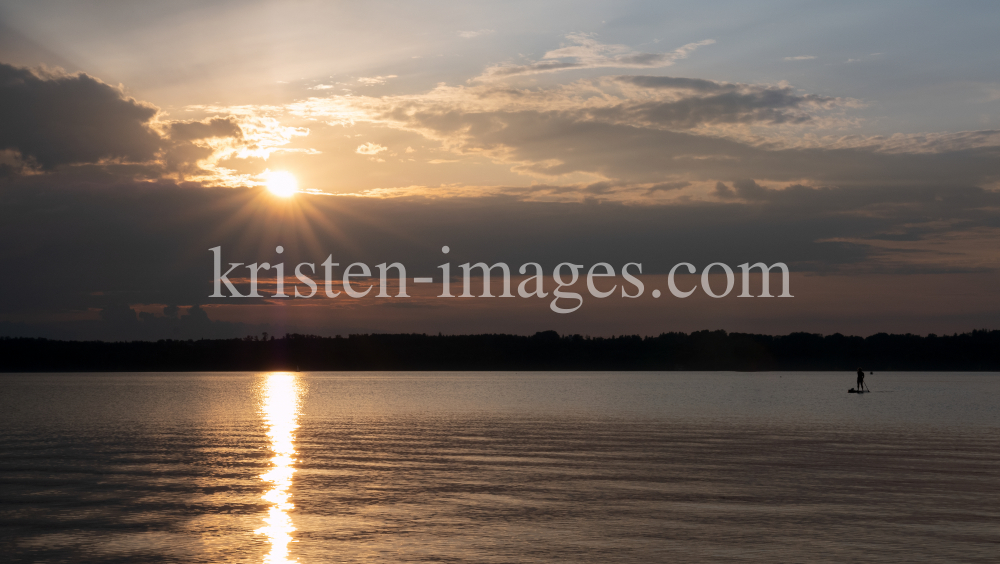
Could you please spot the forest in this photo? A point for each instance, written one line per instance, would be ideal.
(547, 350)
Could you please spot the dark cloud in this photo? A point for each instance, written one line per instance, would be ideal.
(95, 242)
(666, 187)
(54, 119)
(723, 191)
(564, 142)
(756, 107)
(213, 127)
(51, 119)
(182, 152)
(678, 83)
(644, 129)
(147, 243)
(9, 169)
(599, 187)
(748, 189)
(73, 246)
(707, 102)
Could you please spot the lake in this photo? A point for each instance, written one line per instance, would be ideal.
(499, 467)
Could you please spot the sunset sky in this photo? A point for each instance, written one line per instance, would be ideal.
(857, 142)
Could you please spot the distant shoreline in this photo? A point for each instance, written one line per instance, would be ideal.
(702, 350)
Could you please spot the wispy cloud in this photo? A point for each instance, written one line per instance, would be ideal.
(472, 34)
(585, 52)
(655, 102)
(660, 131)
(371, 80)
(801, 58)
(370, 149)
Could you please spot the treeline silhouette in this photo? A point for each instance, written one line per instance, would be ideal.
(547, 350)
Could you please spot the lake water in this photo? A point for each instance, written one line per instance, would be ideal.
(499, 467)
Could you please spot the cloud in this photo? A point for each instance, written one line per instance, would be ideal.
(193, 148)
(662, 168)
(647, 129)
(723, 192)
(473, 34)
(52, 118)
(212, 127)
(642, 101)
(372, 80)
(220, 150)
(557, 144)
(748, 189)
(146, 245)
(370, 149)
(599, 188)
(666, 187)
(689, 103)
(584, 52)
(801, 58)
(698, 85)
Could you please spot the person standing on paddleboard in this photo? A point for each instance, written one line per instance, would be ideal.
(861, 379)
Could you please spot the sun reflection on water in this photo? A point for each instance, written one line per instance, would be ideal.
(281, 411)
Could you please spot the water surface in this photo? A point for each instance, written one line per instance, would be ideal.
(499, 467)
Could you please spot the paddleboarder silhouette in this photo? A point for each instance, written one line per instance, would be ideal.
(861, 379)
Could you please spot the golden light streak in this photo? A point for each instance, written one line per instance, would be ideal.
(280, 411)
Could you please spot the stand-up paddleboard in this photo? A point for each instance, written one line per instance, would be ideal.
(853, 391)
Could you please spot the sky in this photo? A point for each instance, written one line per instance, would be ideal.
(855, 142)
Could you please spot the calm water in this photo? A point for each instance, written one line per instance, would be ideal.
(499, 467)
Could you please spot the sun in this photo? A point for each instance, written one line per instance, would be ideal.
(282, 184)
